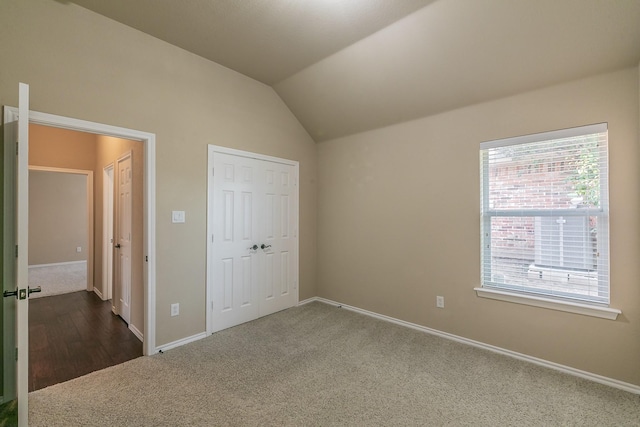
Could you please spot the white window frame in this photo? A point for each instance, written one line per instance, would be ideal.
(539, 298)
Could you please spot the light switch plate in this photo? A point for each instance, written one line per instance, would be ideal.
(177, 217)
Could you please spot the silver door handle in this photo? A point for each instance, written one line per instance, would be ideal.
(38, 289)
(263, 246)
(10, 293)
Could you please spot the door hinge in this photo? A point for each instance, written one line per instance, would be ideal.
(213, 172)
(16, 251)
(211, 305)
(212, 239)
(17, 147)
(146, 258)
(16, 354)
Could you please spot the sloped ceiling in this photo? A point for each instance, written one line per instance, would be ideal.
(268, 40)
(347, 66)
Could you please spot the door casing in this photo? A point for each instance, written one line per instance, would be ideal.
(149, 202)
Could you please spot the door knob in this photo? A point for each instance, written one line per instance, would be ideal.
(31, 291)
(118, 246)
(263, 246)
(253, 248)
(10, 293)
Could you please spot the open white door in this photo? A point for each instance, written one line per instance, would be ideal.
(107, 229)
(124, 213)
(15, 256)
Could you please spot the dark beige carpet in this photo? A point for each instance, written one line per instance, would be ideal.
(319, 365)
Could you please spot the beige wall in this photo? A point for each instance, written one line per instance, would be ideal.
(61, 148)
(108, 151)
(92, 68)
(399, 223)
(57, 217)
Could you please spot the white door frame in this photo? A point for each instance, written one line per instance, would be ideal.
(107, 231)
(211, 149)
(149, 202)
(89, 249)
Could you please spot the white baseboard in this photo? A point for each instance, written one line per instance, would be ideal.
(312, 299)
(97, 292)
(180, 342)
(632, 388)
(55, 264)
(136, 332)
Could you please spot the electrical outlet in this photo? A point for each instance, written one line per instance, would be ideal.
(175, 309)
(440, 302)
(79, 249)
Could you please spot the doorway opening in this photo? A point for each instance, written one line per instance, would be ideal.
(74, 320)
(60, 230)
(148, 165)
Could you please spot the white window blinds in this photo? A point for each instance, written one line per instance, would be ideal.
(545, 222)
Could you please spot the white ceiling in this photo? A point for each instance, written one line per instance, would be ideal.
(346, 66)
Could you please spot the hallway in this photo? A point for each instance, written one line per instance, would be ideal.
(73, 334)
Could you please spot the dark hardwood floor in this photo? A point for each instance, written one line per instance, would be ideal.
(73, 334)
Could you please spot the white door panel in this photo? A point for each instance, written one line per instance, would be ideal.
(278, 264)
(15, 271)
(123, 237)
(235, 272)
(252, 204)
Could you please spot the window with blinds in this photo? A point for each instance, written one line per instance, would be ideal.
(545, 214)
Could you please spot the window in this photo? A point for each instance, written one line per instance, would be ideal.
(545, 219)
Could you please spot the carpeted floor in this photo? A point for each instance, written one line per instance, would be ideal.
(58, 279)
(318, 365)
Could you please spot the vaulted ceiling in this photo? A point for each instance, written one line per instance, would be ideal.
(347, 66)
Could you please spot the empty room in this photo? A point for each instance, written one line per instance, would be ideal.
(347, 212)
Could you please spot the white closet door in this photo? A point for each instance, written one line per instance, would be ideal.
(235, 227)
(278, 258)
(253, 250)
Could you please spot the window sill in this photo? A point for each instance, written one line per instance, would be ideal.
(570, 307)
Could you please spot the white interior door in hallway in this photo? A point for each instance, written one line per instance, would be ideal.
(123, 236)
(253, 236)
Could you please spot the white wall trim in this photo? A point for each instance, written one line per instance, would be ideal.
(552, 304)
(55, 264)
(136, 332)
(97, 292)
(251, 155)
(632, 388)
(182, 341)
(149, 197)
(312, 299)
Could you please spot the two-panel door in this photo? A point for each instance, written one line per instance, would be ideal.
(253, 246)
